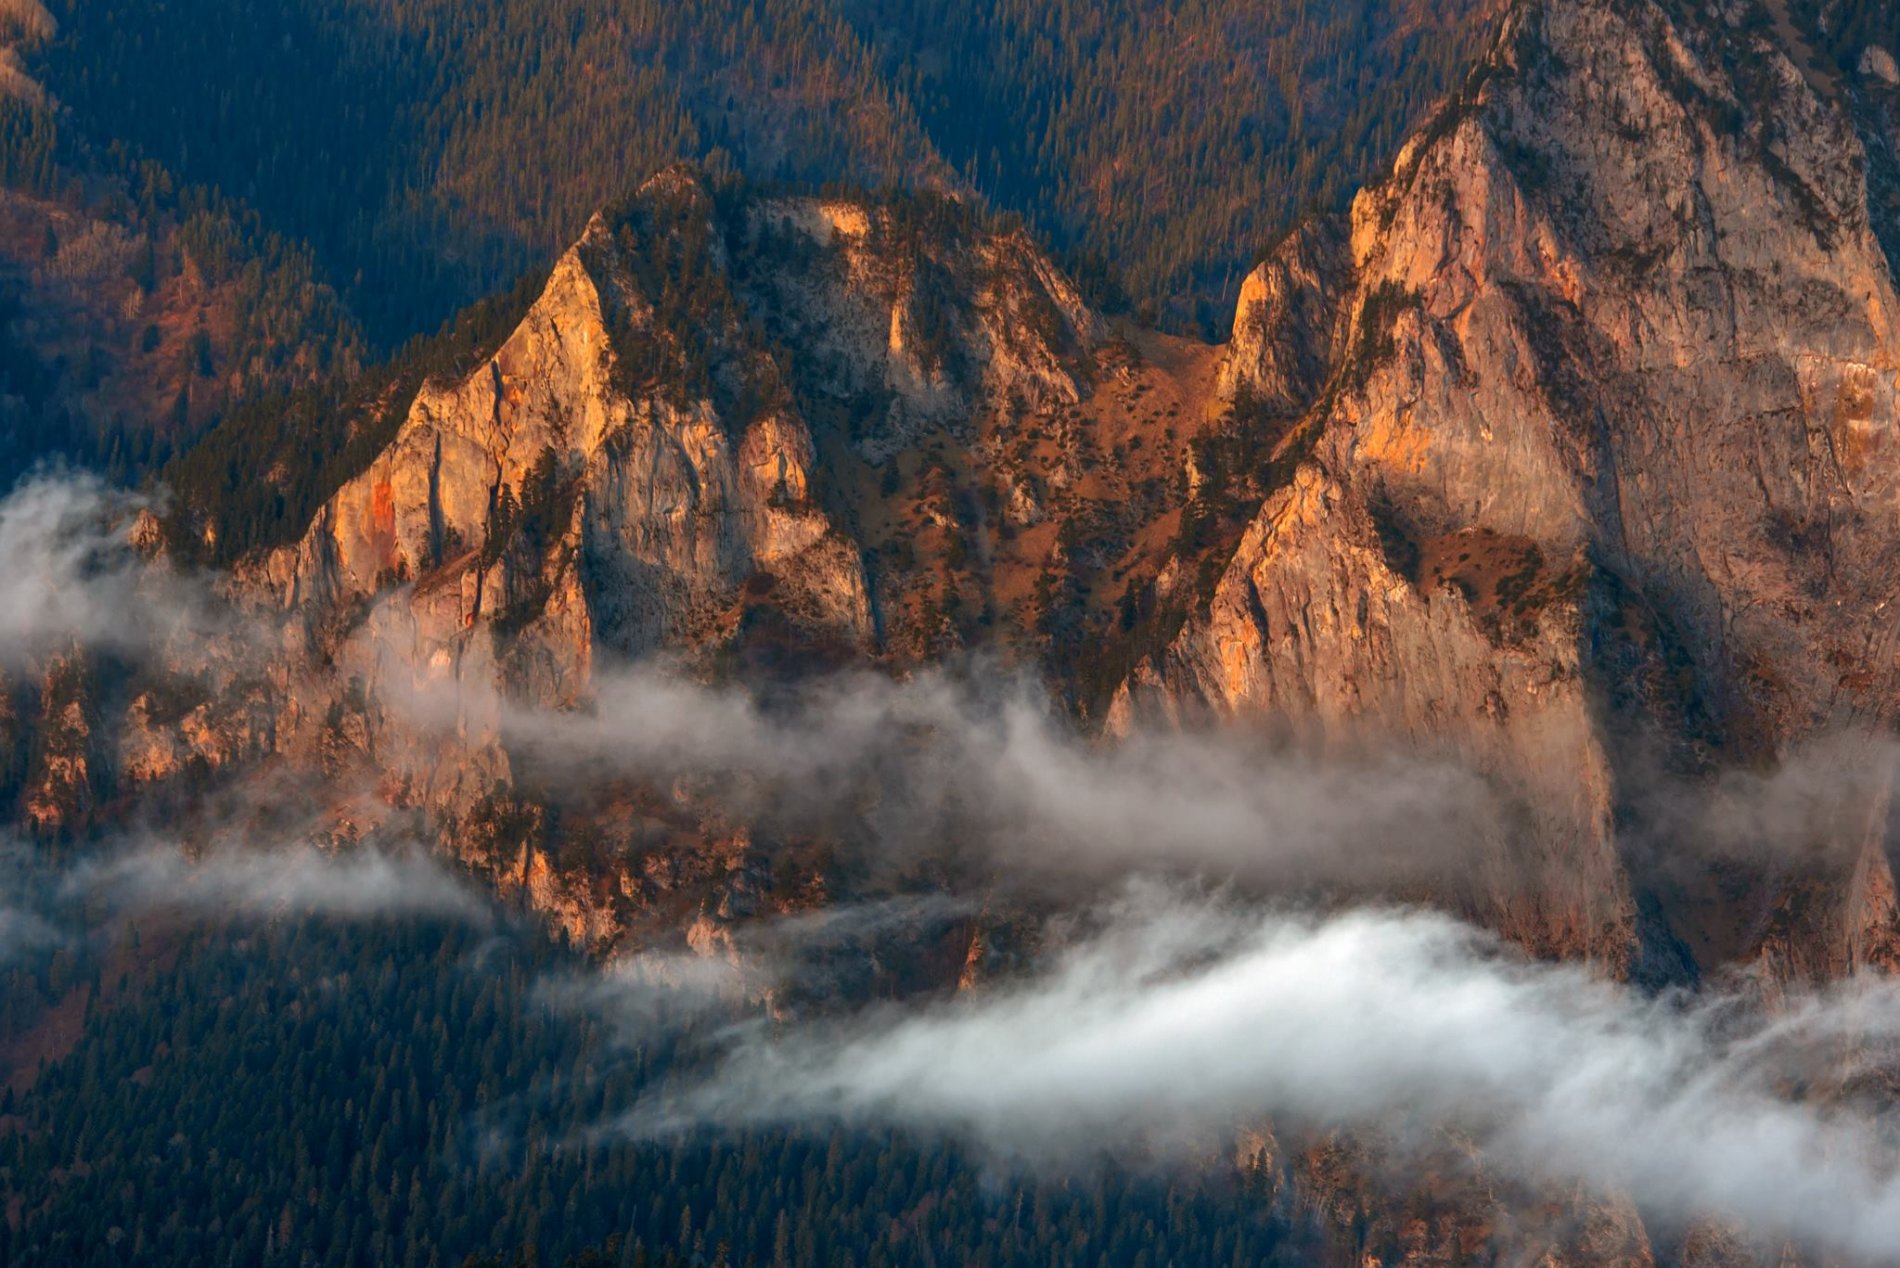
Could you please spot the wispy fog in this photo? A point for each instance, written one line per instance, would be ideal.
(985, 767)
(665, 989)
(270, 881)
(22, 931)
(69, 575)
(1179, 1019)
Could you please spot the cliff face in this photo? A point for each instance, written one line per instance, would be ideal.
(643, 446)
(1605, 450)
(683, 449)
(553, 497)
(1567, 455)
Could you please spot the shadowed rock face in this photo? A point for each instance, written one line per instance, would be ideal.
(1606, 451)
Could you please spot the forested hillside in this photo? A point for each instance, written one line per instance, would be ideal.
(431, 150)
(1172, 137)
(318, 1095)
(137, 309)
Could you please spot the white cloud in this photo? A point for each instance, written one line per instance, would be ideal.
(70, 576)
(264, 882)
(987, 769)
(1180, 1020)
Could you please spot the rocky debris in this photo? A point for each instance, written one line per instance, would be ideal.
(1877, 63)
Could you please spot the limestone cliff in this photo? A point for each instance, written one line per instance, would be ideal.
(1605, 448)
(553, 497)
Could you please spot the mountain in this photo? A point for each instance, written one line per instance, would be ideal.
(860, 398)
(1596, 475)
(1545, 498)
(771, 435)
(1579, 493)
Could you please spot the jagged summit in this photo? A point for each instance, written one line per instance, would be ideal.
(642, 445)
(1602, 451)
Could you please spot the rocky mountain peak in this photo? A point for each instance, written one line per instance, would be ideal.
(1566, 456)
(1603, 449)
(641, 448)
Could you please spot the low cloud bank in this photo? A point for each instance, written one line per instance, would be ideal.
(1179, 1020)
(1175, 1019)
(69, 574)
(987, 770)
(24, 924)
(980, 766)
(1819, 802)
(22, 931)
(297, 880)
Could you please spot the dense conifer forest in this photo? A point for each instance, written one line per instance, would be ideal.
(430, 150)
(314, 1094)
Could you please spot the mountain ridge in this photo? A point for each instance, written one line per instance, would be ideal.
(1538, 643)
(1563, 463)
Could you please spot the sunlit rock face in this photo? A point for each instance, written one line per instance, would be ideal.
(644, 512)
(635, 472)
(1603, 465)
(632, 456)
(1584, 473)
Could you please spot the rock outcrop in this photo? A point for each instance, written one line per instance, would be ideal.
(1286, 323)
(1605, 451)
(551, 498)
(639, 450)
(658, 460)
